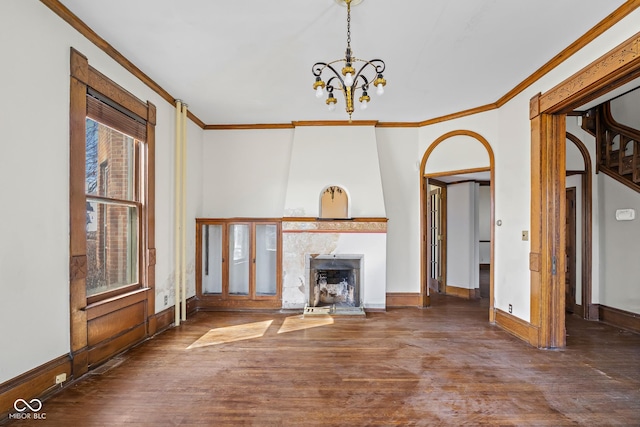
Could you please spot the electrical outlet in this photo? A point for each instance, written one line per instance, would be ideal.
(525, 235)
(60, 378)
(510, 309)
(166, 299)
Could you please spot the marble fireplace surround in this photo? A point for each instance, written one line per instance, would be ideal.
(306, 237)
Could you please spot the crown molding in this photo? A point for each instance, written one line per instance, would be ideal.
(608, 22)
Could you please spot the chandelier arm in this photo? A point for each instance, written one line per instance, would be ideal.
(318, 71)
(378, 64)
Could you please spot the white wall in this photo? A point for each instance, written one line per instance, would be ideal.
(620, 247)
(624, 109)
(34, 169)
(484, 223)
(462, 242)
(400, 170)
(245, 172)
(346, 156)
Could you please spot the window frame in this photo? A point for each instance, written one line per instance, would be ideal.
(101, 328)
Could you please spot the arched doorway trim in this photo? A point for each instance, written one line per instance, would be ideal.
(424, 294)
(586, 243)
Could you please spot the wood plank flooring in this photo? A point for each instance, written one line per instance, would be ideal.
(445, 365)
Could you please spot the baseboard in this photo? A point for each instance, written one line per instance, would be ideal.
(462, 292)
(36, 383)
(403, 299)
(619, 318)
(165, 319)
(517, 327)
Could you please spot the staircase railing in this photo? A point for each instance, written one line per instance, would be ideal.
(618, 146)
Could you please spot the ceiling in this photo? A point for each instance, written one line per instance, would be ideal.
(249, 62)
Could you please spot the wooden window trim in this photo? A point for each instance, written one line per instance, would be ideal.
(84, 78)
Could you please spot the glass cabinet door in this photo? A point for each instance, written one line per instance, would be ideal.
(212, 259)
(266, 259)
(239, 263)
(239, 258)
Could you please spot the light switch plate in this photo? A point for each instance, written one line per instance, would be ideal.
(525, 235)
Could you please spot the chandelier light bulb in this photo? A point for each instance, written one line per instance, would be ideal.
(380, 90)
(319, 92)
(348, 80)
(331, 106)
(363, 105)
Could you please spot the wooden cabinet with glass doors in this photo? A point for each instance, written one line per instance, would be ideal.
(238, 263)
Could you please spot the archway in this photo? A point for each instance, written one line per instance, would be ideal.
(596, 81)
(460, 167)
(586, 218)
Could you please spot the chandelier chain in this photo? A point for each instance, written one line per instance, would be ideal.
(349, 24)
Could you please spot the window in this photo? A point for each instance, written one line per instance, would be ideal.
(112, 236)
(111, 217)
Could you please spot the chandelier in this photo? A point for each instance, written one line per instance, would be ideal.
(348, 80)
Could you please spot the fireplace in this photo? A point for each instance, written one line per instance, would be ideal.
(335, 282)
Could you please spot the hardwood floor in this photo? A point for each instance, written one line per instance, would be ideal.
(439, 366)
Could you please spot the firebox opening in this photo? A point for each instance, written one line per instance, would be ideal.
(335, 281)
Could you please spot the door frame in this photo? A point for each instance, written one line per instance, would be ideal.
(589, 310)
(548, 143)
(571, 193)
(442, 247)
(424, 265)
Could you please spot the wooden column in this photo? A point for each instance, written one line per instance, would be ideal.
(547, 257)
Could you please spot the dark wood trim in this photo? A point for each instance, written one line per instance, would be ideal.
(515, 326)
(248, 126)
(617, 67)
(613, 69)
(457, 172)
(112, 347)
(224, 300)
(462, 292)
(423, 214)
(616, 176)
(76, 23)
(64, 13)
(403, 299)
(336, 123)
(619, 318)
(548, 137)
(36, 383)
(593, 311)
(613, 18)
(79, 69)
(164, 319)
(587, 233)
(312, 219)
(104, 307)
(96, 325)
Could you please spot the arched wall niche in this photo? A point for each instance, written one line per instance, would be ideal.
(335, 202)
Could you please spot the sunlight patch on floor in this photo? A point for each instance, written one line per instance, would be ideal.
(232, 333)
(297, 323)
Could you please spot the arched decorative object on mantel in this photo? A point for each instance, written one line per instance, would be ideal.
(334, 202)
(424, 174)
